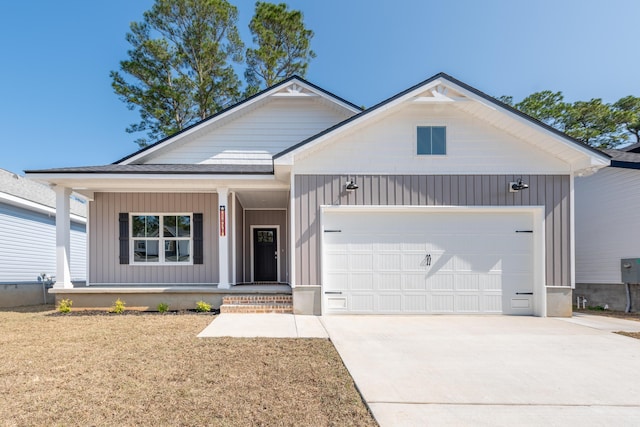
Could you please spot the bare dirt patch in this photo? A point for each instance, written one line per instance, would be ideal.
(152, 370)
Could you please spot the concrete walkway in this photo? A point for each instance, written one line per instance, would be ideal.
(265, 325)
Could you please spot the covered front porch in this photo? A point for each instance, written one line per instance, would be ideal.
(175, 238)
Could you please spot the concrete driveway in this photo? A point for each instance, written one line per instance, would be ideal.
(492, 370)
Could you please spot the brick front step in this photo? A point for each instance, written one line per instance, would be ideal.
(257, 308)
(257, 299)
(257, 304)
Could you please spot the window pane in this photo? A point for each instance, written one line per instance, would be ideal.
(184, 226)
(170, 226)
(138, 225)
(153, 226)
(424, 140)
(176, 251)
(438, 140)
(145, 251)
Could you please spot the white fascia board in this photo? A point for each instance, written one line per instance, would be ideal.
(598, 159)
(288, 159)
(84, 177)
(36, 207)
(321, 94)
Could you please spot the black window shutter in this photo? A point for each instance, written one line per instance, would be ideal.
(198, 257)
(124, 238)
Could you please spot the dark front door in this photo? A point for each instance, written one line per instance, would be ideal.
(265, 255)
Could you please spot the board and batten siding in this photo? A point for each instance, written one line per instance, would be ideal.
(105, 267)
(239, 243)
(28, 246)
(257, 135)
(551, 191)
(267, 217)
(607, 205)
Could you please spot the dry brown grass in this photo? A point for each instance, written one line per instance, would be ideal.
(152, 370)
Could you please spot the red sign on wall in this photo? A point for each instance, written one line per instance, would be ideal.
(223, 221)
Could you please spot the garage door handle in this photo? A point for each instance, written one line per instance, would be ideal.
(524, 293)
(333, 231)
(333, 293)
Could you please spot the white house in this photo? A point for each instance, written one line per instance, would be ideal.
(608, 230)
(28, 240)
(438, 200)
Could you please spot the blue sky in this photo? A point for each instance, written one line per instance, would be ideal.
(57, 107)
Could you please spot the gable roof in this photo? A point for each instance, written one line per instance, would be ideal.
(236, 107)
(492, 103)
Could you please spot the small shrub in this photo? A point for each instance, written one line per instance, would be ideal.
(64, 306)
(163, 307)
(118, 306)
(596, 308)
(203, 307)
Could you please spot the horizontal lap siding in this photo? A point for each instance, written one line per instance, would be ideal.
(104, 238)
(551, 191)
(29, 246)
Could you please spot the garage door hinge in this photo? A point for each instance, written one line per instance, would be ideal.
(333, 231)
(524, 231)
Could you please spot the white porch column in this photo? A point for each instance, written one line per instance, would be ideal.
(223, 238)
(63, 238)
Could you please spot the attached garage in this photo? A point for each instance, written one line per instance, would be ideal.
(432, 260)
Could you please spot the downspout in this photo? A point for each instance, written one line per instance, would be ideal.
(628, 290)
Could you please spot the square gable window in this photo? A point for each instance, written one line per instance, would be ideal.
(432, 140)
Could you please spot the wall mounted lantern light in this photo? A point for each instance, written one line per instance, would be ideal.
(518, 185)
(351, 185)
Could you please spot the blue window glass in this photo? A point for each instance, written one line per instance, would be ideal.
(432, 140)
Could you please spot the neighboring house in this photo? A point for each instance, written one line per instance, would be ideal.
(607, 230)
(28, 240)
(438, 200)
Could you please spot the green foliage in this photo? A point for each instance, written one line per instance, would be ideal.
(118, 306)
(627, 114)
(163, 307)
(283, 45)
(203, 307)
(593, 122)
(179, 69)
(64, 306)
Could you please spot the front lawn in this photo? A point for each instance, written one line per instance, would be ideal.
(152, 370)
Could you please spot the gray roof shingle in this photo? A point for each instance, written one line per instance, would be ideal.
(18, 186)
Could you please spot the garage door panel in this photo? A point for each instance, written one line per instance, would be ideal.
(415, 303)
(388, 261)
(428, 262)
(442, 303)
(414, 281)
(361, 282)
(441, 282)
(391, 303)
(362, 303)
(389, 281)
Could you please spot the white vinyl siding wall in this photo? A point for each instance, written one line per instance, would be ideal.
(389, 146)
(607, 206)
(28, 246)
(256, 136)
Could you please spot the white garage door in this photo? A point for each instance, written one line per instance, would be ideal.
(426, 262)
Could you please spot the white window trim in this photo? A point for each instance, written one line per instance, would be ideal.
(161, 240)
(431, 125)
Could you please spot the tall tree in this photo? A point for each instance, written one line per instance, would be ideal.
(283, 45)
(180, 65)
(627, 113)
(593, 123)
(547, 106)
